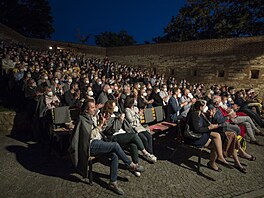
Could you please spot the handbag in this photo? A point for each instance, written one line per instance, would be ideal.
(189, 134)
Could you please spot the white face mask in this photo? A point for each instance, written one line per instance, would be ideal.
(205, 109)
(145, 94)
(57, 81)
(158, 90)
(109, 91)
(230, 99)
(70, 80)
(116, 109)
(50, 94)
(34, 84)
(99, 82)
(29, 75)
(190, 95)
(179, 95)
(90, 93)
(165, 89)
(87, 82)
(46, 77)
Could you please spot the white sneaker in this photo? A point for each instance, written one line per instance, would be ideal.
(150, 158)
(138, 174)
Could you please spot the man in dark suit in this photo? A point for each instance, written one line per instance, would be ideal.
(174, 107)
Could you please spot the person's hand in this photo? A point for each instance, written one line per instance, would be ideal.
(122, 117)
(184, 103)
(151, 101)
(102, 120)
(212, 126)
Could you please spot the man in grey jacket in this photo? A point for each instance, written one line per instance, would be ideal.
(88, 137)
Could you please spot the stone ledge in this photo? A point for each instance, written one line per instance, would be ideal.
(11, 121)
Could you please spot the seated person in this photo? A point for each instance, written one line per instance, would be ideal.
(132, 116)
(88, 135)
(51, 100)
(119, 130)
(72, 96)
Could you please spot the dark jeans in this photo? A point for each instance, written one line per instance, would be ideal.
(99, 147)
(146, 138)
(133, 141)
(253, 116)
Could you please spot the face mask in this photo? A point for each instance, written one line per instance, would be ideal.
(212, 92)
(34, 84)
(90, 93)
(145, 94)
(190, 95)
(230, 99)
(70, 80)
(135, 103)
(179, 95)
(50, 94)
(205, 109)
(158, 90)
(99, 82)
(87, 82)
(116, 109)
(165, 89)
(46, 77)
(109, 91)
(139, 86)
(56, 81)
(29, 75)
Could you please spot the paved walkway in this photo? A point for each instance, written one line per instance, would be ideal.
(27, 170)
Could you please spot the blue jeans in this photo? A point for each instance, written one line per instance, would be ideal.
(99, 147)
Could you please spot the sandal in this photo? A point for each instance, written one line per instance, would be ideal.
(241, 169)
(217, 170)
(227, 165)
(252, 158)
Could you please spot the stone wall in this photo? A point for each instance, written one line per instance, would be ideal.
(12, 122)
(238, 62)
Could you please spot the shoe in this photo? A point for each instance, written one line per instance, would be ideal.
(217, 170)
(241, 169)
(252, 158)
(136, 168)
(150, 158)
(138, 174)
(115, 188)
(256, 143)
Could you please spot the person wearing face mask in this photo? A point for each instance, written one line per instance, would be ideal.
(67, 85)
(44, 80)
(208, 137)
(105, 95)
(164, 95)
(158, 101)
(51, 100)
(221, 120)
(142, 100)
(174, 107)
(57, 88)
(189, 100)
(97, 88)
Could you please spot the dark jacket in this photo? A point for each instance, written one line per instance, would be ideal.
(80, 144)
(173, 109)
(196, 125)
(157, 99)
(218, 117)
(70, 99)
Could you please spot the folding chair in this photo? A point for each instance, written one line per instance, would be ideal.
(60, 117)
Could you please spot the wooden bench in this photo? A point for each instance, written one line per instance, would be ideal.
(155, 119)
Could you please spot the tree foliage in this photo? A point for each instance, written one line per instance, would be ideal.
(201, 19)
(29, 17)
(112, 39)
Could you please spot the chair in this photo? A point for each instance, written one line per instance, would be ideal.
(60, 116)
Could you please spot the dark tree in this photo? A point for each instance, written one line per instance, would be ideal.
(201, 19)
(111, 39)
(29, 17)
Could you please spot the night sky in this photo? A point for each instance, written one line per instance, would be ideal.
(142, 19)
